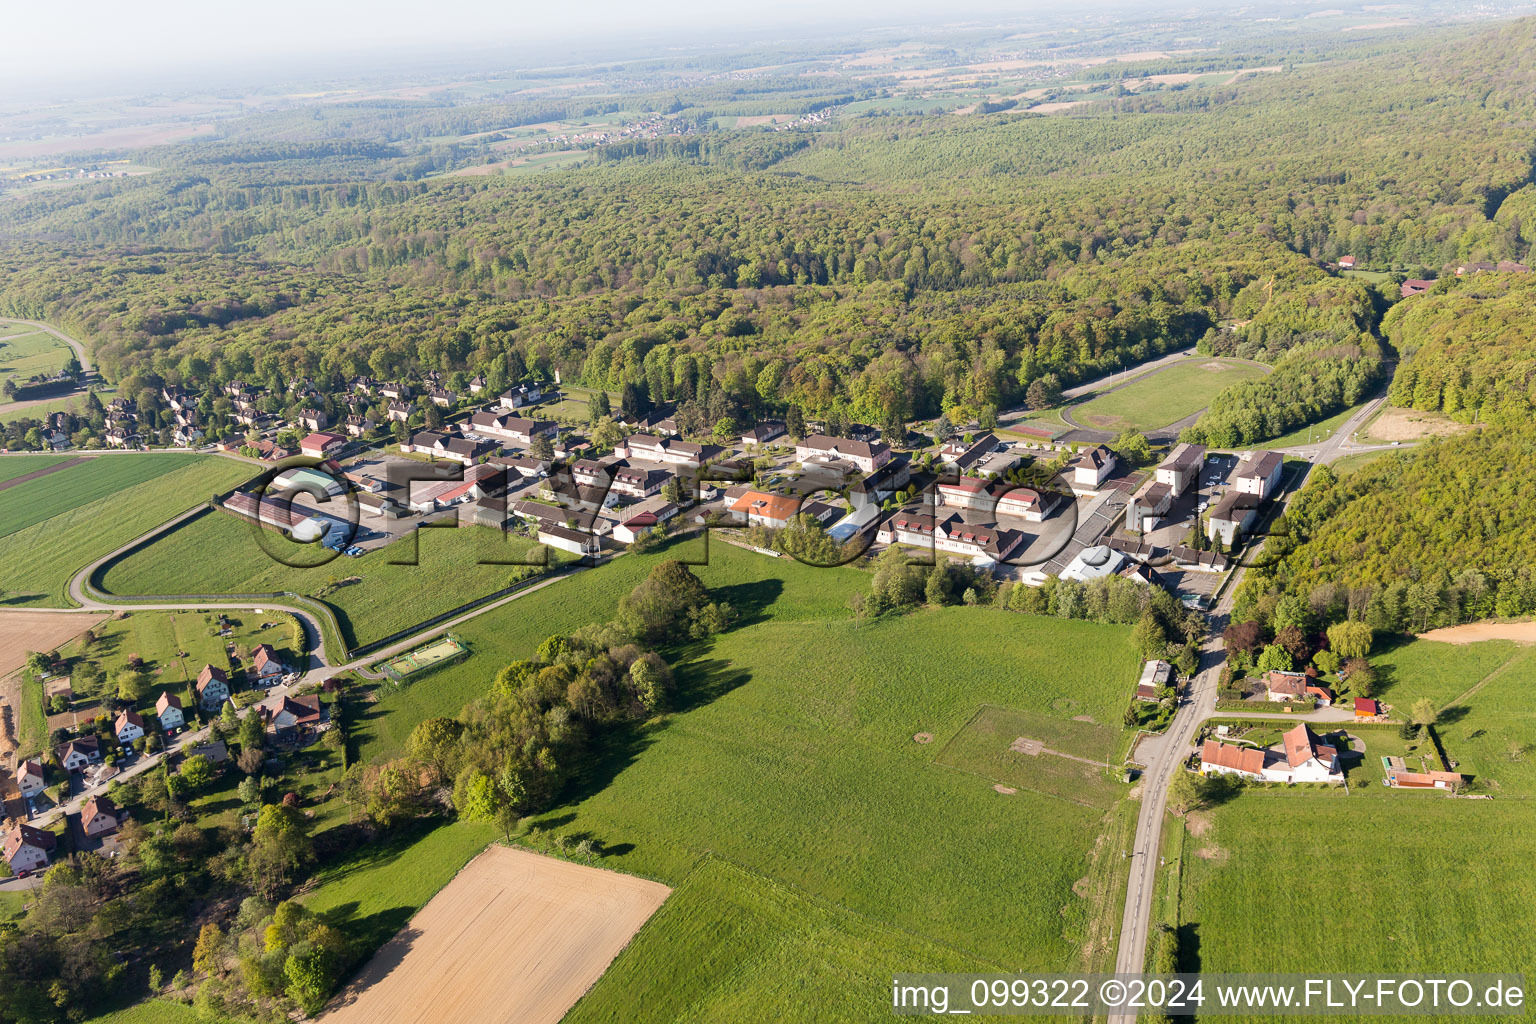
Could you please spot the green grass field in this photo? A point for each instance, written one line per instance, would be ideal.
(1314, 433)
(1426, 668)
(37, 500)
(154, 1011)
(756, 946)
(798, 736)
(983, 748)
(13, 466)
(1166, 396)
(1282, 882)
(1492, 733)
(374, 892)
(36, 562)
(218, 553)
(27, 351)
(65, 403)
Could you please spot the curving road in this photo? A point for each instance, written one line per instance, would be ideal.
(86, 367)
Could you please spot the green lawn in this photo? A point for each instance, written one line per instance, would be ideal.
(756, 947)
(514, 630)
(41, 499)
(1376, 885)
(27, 351)
(74, 402)
(153, 1011)
(375, 891)
(1350, 463)
(1492, 734)
(1166, 396)
(37, 562)
(174, 646)
(219, 554)
(1314, 433)
(1409, 671)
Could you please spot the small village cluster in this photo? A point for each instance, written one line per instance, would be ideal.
(94, 748)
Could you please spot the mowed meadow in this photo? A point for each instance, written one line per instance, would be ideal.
(58, 524)
(1429, 882)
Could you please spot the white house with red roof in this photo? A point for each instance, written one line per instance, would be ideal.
(26, 848)
(168, 710)
(128, 727)
(29, 779)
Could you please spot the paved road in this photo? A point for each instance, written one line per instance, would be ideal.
(1194, 709)
(81, 354)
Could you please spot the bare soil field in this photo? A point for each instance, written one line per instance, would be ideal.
(5, 484)
(23, 631)
(1396, 424)
(515, 938)
(1472, 632)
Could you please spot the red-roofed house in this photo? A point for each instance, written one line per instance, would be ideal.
(99, 817)
(212, 687)
(128, 727)
(29, 779)
(1366, 708)
(168, 710)
(1227, 759)
(268, 667)
(26, 848)
(321, 444)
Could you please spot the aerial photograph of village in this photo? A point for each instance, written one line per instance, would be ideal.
(627, 514)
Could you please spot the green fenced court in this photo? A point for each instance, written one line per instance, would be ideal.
(435, 655)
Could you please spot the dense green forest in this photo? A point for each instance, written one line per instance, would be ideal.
(1410, 541)
(880, 266)
(1468, 348)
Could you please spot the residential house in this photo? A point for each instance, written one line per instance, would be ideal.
(212, 688)
(321, 444)
(443, 399)
(29, 779)
(314, 419)
(357, 425)
(667, 450)
(294, 718)
(128, 726)
(79, 753)
(1151, 502)
(399, 412)
(1156, 676)
(27, 848)
(99, 817)
(168, 710)
(1027, 503)
(520, 395)
(477, 384)
(1285, 687)
(1232, 516)
(398, 392)
(1346, 263)
(867, 456)
(269, 667)
(641, 517)
(639, 481)
(1259, 474)
(1306, 759)
(1091, 468)
(1414, 286)
(1228, 759)
(980, 541)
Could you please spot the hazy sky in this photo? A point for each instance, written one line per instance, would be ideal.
(88, 38)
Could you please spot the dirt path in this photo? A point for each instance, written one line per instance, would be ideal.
(42, 472)
(1476, 632)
